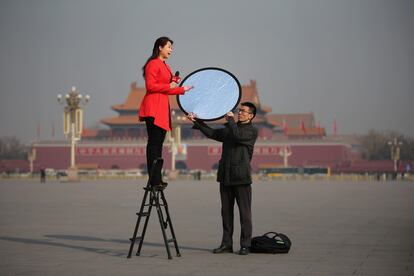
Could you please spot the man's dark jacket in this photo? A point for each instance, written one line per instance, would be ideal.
(238, 142)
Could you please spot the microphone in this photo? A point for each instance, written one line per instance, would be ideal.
(176, 77)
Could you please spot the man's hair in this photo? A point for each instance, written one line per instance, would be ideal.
(251, 107)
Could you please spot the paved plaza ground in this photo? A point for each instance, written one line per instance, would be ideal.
(337, 228)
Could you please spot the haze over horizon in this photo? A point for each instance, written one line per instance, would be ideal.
(352, 60)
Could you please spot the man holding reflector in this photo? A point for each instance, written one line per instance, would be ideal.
(234, 172)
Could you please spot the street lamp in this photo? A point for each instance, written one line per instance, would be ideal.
(72, 123)
(395, 153)
(174, 137)
(285, 152)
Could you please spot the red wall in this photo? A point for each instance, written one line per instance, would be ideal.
(203, 156)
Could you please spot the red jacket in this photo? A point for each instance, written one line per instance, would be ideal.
(155, 103)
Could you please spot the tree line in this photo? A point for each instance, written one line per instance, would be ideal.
(12, 148)
(374, 145)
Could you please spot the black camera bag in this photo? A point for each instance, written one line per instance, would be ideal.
(271, 242)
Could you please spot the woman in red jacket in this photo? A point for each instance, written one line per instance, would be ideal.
(155, 107)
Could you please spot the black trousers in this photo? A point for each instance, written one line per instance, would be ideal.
(156, 137)
(242, 194)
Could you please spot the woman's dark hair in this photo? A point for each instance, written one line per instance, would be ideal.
(160, 42)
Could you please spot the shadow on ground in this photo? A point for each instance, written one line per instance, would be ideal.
(109, 252)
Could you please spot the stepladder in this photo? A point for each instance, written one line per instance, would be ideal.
(154, 196)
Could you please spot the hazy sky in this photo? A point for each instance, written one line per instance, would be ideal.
(353, 59)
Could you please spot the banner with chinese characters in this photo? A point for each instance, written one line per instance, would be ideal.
(110, 151)
(258, 150)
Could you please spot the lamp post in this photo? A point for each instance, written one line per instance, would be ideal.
(395, 153)
(174, 137)
(285, 152)
(31, 157)
(170, 138)
(72, 124)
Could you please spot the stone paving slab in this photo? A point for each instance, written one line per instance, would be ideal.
(337, 228)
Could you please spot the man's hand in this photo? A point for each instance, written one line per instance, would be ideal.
(173, 85)
(191, 116)
(229, 115)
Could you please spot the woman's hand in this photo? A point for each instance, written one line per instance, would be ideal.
(187, 88)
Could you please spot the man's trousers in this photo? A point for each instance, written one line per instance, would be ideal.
(242, 194)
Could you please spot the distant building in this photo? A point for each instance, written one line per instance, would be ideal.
(126, 125)
(122, 144)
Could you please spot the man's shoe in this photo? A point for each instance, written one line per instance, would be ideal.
(165, 184)
(223, 249)
(244, 251)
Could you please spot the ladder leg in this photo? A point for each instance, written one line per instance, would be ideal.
(131, 247)
(134, 236)
(169, 221)
(161, 219)
(144, 229)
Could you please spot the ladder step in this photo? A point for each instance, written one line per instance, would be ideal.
(144, 214)
(136, 239)
(170, 240)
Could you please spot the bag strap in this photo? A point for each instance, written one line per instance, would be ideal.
(274, 235)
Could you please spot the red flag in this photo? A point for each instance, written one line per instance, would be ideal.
(38, 132)
(53, 131)
(302, 125)
(284, 126)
